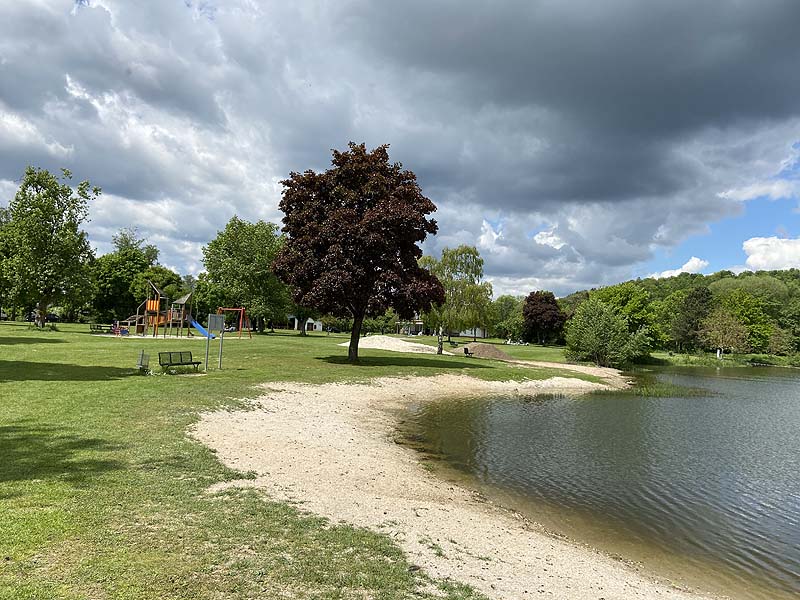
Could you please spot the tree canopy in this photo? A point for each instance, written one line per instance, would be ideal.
(467, 299)
(114, 274)
(239, 263)
(48, 253)
(352, 235)
(599, 334)
(543, 316)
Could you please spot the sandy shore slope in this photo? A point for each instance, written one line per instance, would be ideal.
(331, 448)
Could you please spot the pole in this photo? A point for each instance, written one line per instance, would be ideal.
(208, 342)
(221, 336)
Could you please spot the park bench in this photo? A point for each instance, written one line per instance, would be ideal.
(453, 344)
(177, 359)
(467, 352)
(97, 328)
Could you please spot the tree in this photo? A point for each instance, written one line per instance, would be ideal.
(769, 291)
(50, 253)
(723, 331)
(239, 261)
(114, 274)
(506, 317)
(352, 239)
(5, 254)
(466, 297)
(166, 280)
(382, 323)
(749, 311)
(688, 319)
(479, 307)
(790, 319)
(664, 313)
(598, 334)
(127, 240)
(630, 300)
(569, 304)
(543, 316)
(780, 342)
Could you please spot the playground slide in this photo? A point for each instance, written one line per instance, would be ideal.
(201, 329)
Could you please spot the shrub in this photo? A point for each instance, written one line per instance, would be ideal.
(597, 334)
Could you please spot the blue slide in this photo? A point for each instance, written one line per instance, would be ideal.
(201, 329)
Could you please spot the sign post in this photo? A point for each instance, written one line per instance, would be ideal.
(215, 323)
(208, 341)
(221, 337)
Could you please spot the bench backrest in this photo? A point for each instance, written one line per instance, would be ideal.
(174, 358)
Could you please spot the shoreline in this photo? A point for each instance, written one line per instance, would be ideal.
(331, 448)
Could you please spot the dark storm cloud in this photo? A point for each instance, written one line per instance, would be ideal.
(616, 83)
(567, 140)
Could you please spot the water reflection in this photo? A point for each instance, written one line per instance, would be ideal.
(707, 485)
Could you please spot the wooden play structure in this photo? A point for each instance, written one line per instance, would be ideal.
(244, 322)
(157, 314)
(180, 314)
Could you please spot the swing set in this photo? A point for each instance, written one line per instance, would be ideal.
(243, 320)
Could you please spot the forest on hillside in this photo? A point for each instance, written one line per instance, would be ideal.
(752, 312)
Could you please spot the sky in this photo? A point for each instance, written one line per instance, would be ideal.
(576, 143)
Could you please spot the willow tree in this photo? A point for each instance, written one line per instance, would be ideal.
(352, 235)
(467, 299)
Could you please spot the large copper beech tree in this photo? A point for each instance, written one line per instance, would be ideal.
(352, 236)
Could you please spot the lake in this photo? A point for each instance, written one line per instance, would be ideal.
(702, 488)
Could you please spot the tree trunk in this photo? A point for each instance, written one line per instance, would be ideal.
(42, 314)
(355, 335)
(439, 345)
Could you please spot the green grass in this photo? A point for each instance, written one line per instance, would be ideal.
(709, 359)
(530, 352)
(102, 494)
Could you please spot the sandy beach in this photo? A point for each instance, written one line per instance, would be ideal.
(331, 448)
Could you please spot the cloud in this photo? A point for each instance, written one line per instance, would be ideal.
(772, 253)
(569, 140)
(774, 190)
(693, 265)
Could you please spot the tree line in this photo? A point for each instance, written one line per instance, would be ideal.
(348, 248)
(348, 253)
(752, 312)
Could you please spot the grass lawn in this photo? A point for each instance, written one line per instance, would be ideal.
(709, 359)
(531, 352)
(102, 494)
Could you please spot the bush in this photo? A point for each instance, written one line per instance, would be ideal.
(597, 334)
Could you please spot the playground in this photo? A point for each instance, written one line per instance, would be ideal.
(159, 317)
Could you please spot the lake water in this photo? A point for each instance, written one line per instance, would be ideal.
(703, 489)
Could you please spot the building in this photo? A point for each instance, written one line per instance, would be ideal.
(311, 324)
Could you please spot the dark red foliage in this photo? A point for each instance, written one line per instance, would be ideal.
(543, 317)
(352, 237)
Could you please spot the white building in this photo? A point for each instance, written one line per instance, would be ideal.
(311, 324)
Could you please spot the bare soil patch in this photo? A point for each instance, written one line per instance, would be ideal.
(481, 350)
